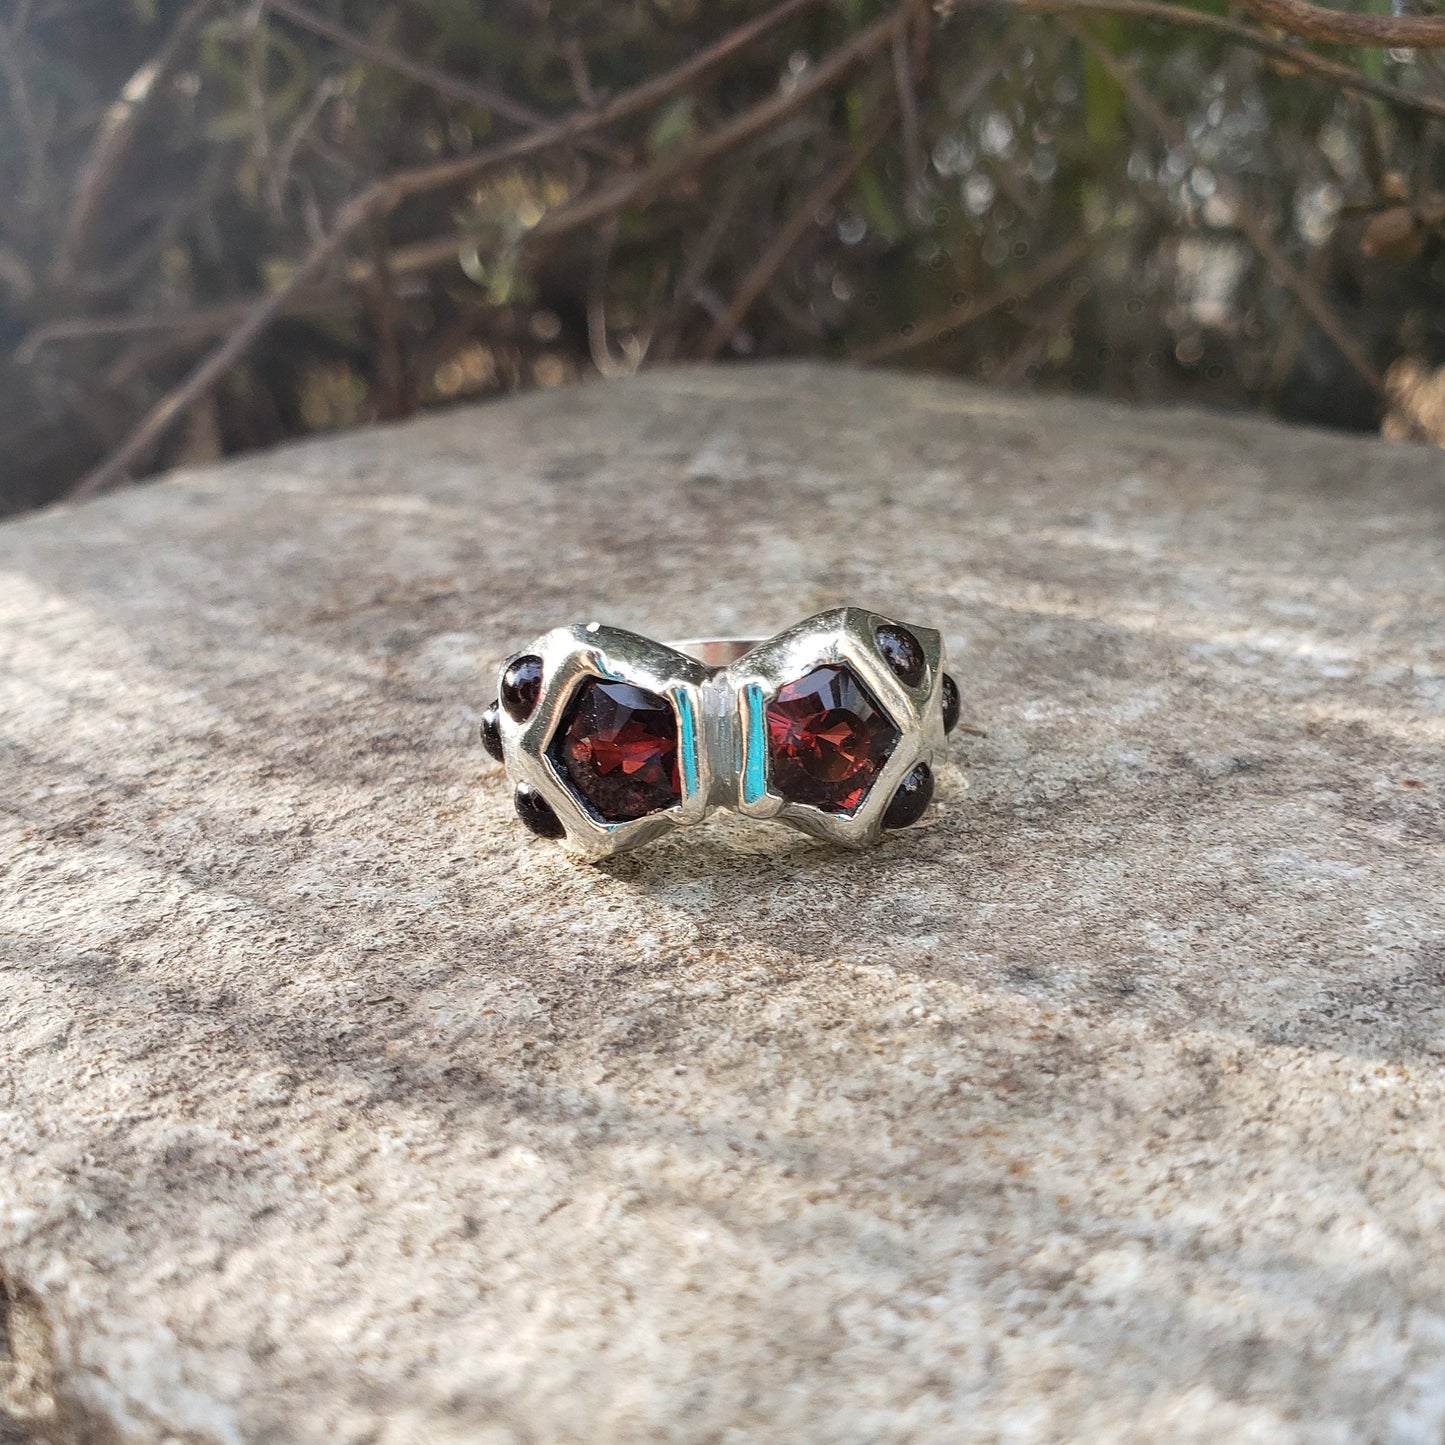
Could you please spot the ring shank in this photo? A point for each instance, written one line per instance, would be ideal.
(717, 651)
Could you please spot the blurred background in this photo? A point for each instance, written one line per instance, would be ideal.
(232, 222)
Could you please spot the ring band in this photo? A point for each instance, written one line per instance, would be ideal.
(611, 739)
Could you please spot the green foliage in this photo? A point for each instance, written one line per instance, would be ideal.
(1025, 142)
(1103, 100)
(878, 210)
(232, 56)
(674, 128)
(1373, 60)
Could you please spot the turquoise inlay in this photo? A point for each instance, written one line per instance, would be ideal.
(755, 784)
(687, 742)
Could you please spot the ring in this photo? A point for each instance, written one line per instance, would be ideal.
(611, 739)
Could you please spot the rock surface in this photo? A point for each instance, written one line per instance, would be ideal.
(1107, 1105)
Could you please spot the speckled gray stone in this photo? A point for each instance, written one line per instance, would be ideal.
(1109, 1105)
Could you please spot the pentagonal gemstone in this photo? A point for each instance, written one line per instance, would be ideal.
(617, 748)
(827, 739)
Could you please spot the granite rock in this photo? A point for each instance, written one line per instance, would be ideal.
(1106, 1105)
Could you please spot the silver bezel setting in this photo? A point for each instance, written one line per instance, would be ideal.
(569, 656)
(723, 752)
(846, 636)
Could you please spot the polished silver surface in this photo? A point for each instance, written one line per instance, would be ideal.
(717, 651)
(720, 689)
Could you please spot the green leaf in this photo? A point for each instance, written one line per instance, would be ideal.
(673, 129)
(1372, 62)
(876, 208)
(1103, 100)
(1372, 58)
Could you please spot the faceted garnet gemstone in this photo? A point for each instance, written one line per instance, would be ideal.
(903, 652)
(617, 747)
(492, 732)
(522, 687)
(827, 739)
(914, 794)
(950, 703)
(536, 812)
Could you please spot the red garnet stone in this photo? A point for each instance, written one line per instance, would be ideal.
(827, 738)
(617, 748)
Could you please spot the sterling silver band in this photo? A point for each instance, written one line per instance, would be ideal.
(833, 726)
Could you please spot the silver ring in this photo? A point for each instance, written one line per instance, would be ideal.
(611, 739)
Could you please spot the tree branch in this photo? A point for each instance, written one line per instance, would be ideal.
(728, 136)
(1340, 27)
(113, 139)
(452, 87)
(1307, 294)
(385, 195)
(802, 220)
(1301, 18)
(1014, 289)
(1286, 52)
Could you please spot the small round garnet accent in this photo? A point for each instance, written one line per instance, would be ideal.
(617, 748)
(492, 731)
(950, 703)
(903, 652)
(522, 687)
(536, 812)
(827, 739)
(914, 794)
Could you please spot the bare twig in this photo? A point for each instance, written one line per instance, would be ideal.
(802, 220)
(576, 58)
(398, 394)
(632, 348)
(1015, 289)
(1288, 53)
(1341, 27)
(452, 87)
(1305, 292)
(1035, 346)
(22, 108)
(199, 323)
(382, 197)
(258, 54)
(113, 139)
(685, 293)
(157, 422)
(741, 128)
(1301, 18)
(438, 175)
(327, 91)
(905, 84)
(1292, 337)
(299, 295)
